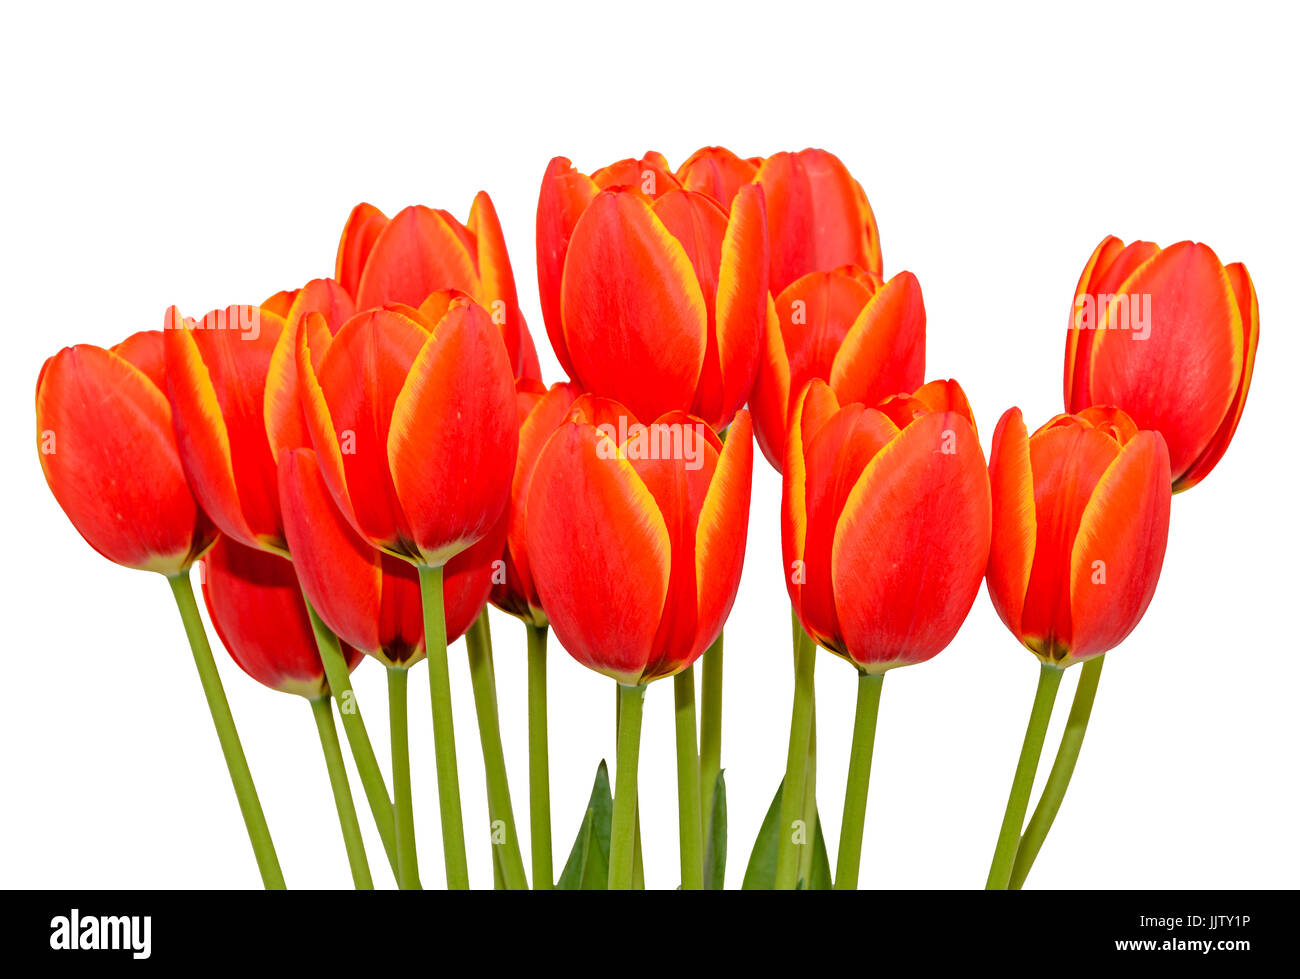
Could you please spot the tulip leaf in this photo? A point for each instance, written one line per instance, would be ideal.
(760, 874)
(715, 851)
(587, 868)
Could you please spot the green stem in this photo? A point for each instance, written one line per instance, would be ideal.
(1058, 780)
(329, 742)
(638, 868)
(710, 729)
(254, 819)
(539, 777)
(855, 789)
(354, 728)
(796, 767)
(408, 867)
(810, 815)
(479, 643)
(689, 826)
(444, 735)
(623, 822)
(1049, 680)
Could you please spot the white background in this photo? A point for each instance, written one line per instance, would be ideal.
(165, 156)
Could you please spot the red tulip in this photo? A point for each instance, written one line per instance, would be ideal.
(847, 327)
(371, 599)
(653, 295)
(423, 250)
(1080, 521)
(256, 606)
(540, 413)
(415, 427)
(885, 524)
(324, 296)
(104, 433)
(818, 217)
(636, 536)
(1169, 336)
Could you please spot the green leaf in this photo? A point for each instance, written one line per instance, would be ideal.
(715, 850)
(588, 865)
(821, 865)
(760, 873)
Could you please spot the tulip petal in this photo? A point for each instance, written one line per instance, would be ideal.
(362, 229)
(721, 532)
(716, 171)
(1015, 527)
(883, 352)
(564, 196)
(600, 552)
(324, 296)
(770, 399)
(497, 293)
(419, 251)
(813, 408)
(1120, 547)
(1078, 337)
(635, 320)
(912, 544)
(286, 426)
(454, 435)
(1248, 303)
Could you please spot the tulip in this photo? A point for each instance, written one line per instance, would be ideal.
(324, 296)
(653, 295)
(423, 250)
(256, 607)
(540, 412)
(106, 442)
(885, 532)
(865, 337)
(415, 427)
(1080, 522)
(372, 600)
(718, 172)
(1169, 335)
(818, 217)
(636, 536)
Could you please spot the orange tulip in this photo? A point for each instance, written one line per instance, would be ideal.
(718, 172)
(371, 600)
(423, 250)
(415, 426)
(104, 433)
(256, 606)
(636, 536)
(1169, 335)
(540, 413)
(324, 296)
(1080, 521)
(865, 337)
(653, 295)
(886, 522)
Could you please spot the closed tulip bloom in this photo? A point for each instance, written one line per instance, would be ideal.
(324, 296)
(654, 296)
(415, 426)
(1080, 521)
(886, 522)
(368, 598)
(1169, 335)
(104, 434)
(818, 217)
(718, 172)
(423, 250)
(256, 606)
(863, 336)
(541, 411)
(636, 536)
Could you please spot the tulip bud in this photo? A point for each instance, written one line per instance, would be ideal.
(540, 413)
(416, 429)
(256, 606)
(654, 295)
(1080, 522)
(865, 337)
(104, 434)
(1169, 335)
(423, 250)
(718, 172)
(886, 522)
(636, 536)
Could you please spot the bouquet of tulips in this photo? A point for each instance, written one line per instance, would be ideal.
(360, 466)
